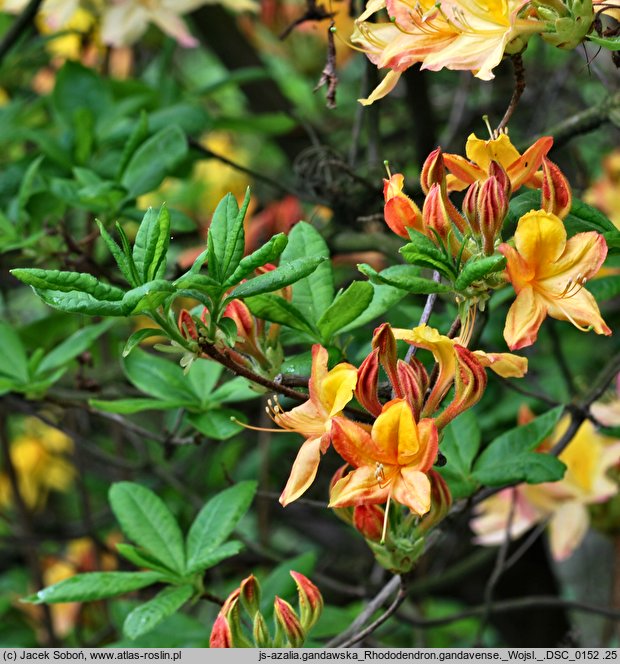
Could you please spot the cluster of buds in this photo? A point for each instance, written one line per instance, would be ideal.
(566, 22)
(291, 627)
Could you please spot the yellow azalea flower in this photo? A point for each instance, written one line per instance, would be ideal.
(564, 503)
(455, 34)
(38, 456)
(392, 461)
(330, 392)
(548, 273)
(521, 169)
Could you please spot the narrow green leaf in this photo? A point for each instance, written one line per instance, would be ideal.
(210, 558)
(584, 217)
(119, 256)
(141, 558)
(66, 282)
(130, 406)
(347, 306)
(13, 358)
(200, 282)
(147, 297)
(610, 43)
(315, 293)
(145, 519)
(147, 616)
(80, 87)
(226, 238)
(284, 275)
(268, 253)
(216, 423)
(477, 269)
(137, 136)
(138, 337)
(71, 347)
(93, 586)
(405, 277)
(76, 302)
(460, 444)
(26, 187)
(153, 160)
(509, 458)
(202, 378)
(278, 310)
(151, 243)
(217, 519)
(383, 299)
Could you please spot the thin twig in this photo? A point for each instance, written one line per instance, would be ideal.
(328, 75)
(558, 352)
(426, 314)
(519, 71)
(24, 21)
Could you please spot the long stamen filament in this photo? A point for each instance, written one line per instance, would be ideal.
(385, 518)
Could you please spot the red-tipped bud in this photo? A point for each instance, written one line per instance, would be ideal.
(411, 386)
(383, 340)
(492, 210)
(288, 622)
(367, 384)
(470, 208)
(400, 211)
(496, 170)
(246, 325)
(250, 595)
(187, 325)
(221, 636)
(433, 170)
(310, 600)
(556, 193)
(469, 384)
(441, 501)
(368, 520)
(439, 215)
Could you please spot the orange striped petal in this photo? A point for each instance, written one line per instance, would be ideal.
(304, 470)
(362, 487)
(412, 488)
(524, 319)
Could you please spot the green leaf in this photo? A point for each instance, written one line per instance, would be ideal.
(148, 297)
(199, 282)
(210, 558)
(140, 558)
(78, 87)
(477, 269)
(138, 337)
(315, 293)
(226, 238)
(26, 187)
(71, 347)
(610, 43)
(522, 204)
(76, 302)
(216, 423)
(158, 377)
(584, 217)
(278, 310)
(383, 299)
(93, 586)
(284, 275)
(130, 406)
(66, 282)
(605, 288)
(153, 160)
(422, 251)
(268, 253)
(13, 358)
(151, 244)
(202, 378)
(217, 519)
(124, 263)
(145, 519)
(508, 459)
(347, 306)
(137, 136)
(147, 616)
(460, 444)
(612, 238)
(404, 277)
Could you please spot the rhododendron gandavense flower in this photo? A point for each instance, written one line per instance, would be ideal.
(390, 462)
(548, 273)
(330, 392)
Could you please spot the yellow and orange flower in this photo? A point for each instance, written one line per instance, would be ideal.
(390, 462)
(548, 273)
(330, 392)
(564, 504)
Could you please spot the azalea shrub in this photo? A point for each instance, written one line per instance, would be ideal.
(299, 353)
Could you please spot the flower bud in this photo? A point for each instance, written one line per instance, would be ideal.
(412, 384)
(470, 208)
(433, 170)
(441, 501)
(492, 210)
(250, 595)
(260, 632)
(221, 636)
(310, 600)
(367, 384)
(187, 325)
(556, 192)
(469, 384)
(368, 520)
(400, 211)
(383, 340)
(288, 623)
(439, 215)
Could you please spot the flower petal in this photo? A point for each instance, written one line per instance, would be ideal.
(355, 444)
(385, 87)
(540, 239)
(567, 528)
(524, 319)
(505, 365)
(412, 488)
(395, 431)
(303, 471)
(361, 487)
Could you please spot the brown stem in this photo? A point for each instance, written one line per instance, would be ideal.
(519, 70)
(328, 75)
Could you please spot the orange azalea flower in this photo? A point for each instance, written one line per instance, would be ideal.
(548, 273)
(392, 461)
(400, 211)
(330, 392)
(521, 169)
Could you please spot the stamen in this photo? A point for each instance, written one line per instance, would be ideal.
(253, 428)
(485, 119)
(573, 286)
(385, 518)
(386, 163)
(573, 321)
